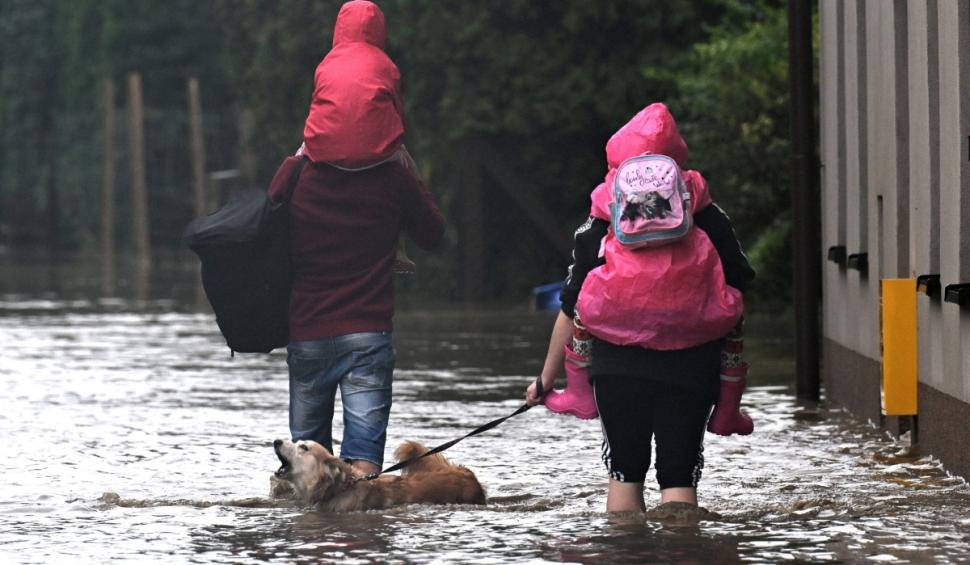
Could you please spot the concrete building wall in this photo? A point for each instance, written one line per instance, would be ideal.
(859, 289)
(924, 158)
(895, 149)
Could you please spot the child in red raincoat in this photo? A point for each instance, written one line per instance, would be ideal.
(658, 320)
(356, 118)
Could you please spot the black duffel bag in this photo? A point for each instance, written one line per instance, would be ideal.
(244, 248)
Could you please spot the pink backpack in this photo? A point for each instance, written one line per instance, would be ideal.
(671, 295)
(651, 203)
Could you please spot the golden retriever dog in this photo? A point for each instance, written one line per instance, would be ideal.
(330, 483)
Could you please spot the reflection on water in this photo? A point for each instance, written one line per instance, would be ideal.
(143, 400)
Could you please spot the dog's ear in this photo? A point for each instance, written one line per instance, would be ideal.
(331, 478)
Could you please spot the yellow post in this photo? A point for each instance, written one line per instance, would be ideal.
(899, 348)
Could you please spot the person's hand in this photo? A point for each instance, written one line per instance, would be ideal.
(532, 396)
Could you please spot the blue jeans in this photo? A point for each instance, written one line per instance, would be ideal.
(362, 365)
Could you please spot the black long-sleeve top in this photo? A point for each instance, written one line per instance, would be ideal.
(695, 368)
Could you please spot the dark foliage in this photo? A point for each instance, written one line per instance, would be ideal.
(540, 85)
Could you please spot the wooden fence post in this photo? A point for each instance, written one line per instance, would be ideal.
(472, 230)
(197, 147)
(247, 159)
(108, 189)
(138, 221)
(49, 129)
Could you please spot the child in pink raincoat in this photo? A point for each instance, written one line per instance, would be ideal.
(656, 320)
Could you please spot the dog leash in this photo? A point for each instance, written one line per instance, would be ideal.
(446, 445)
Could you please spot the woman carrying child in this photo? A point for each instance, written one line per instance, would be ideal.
(657, 314)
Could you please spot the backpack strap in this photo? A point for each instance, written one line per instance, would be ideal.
(285, 180)
(295, 179)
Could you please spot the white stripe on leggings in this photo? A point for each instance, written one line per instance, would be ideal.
(696, 473)
(605, 446)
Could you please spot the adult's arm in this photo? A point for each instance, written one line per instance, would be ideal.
(585, 257)
(717, 225)
(562, 333)
(421, 218)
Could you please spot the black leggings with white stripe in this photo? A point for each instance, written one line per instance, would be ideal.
(633, 411)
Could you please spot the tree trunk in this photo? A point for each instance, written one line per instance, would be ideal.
(139, 190)
(247, 159)
(108, 189)
(197, 147)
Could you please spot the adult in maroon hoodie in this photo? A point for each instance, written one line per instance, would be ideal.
(344, 228)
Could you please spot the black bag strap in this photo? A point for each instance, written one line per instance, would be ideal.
(295, 178)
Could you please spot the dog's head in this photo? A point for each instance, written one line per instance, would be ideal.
(315, 473)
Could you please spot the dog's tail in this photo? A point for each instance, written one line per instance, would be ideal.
(411, 449)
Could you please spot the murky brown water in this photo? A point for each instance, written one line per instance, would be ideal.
(140, 398)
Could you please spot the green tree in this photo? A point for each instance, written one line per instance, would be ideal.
(543, 84)
(540, 85)
(56, 56)
(733, 105)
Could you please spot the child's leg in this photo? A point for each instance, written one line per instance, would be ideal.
(624, 497)
(679, 494)
(402, 263)
(582, 343)
(577, 398)
(727, 418)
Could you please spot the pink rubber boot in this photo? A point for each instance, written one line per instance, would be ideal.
(727, 417)
(577, 399)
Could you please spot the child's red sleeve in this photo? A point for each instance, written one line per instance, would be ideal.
(601, 199)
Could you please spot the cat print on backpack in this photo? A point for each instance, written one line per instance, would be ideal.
(651, 203)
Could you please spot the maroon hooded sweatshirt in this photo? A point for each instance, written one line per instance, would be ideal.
(344, 225)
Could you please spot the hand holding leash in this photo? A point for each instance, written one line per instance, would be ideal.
(535, 393)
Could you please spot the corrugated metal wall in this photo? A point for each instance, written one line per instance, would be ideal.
(895, 121)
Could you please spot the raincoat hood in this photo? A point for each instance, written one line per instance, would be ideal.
(652, 130)
(356, 117)
(360, 21)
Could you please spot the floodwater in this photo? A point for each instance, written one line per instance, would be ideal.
(139, 398)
